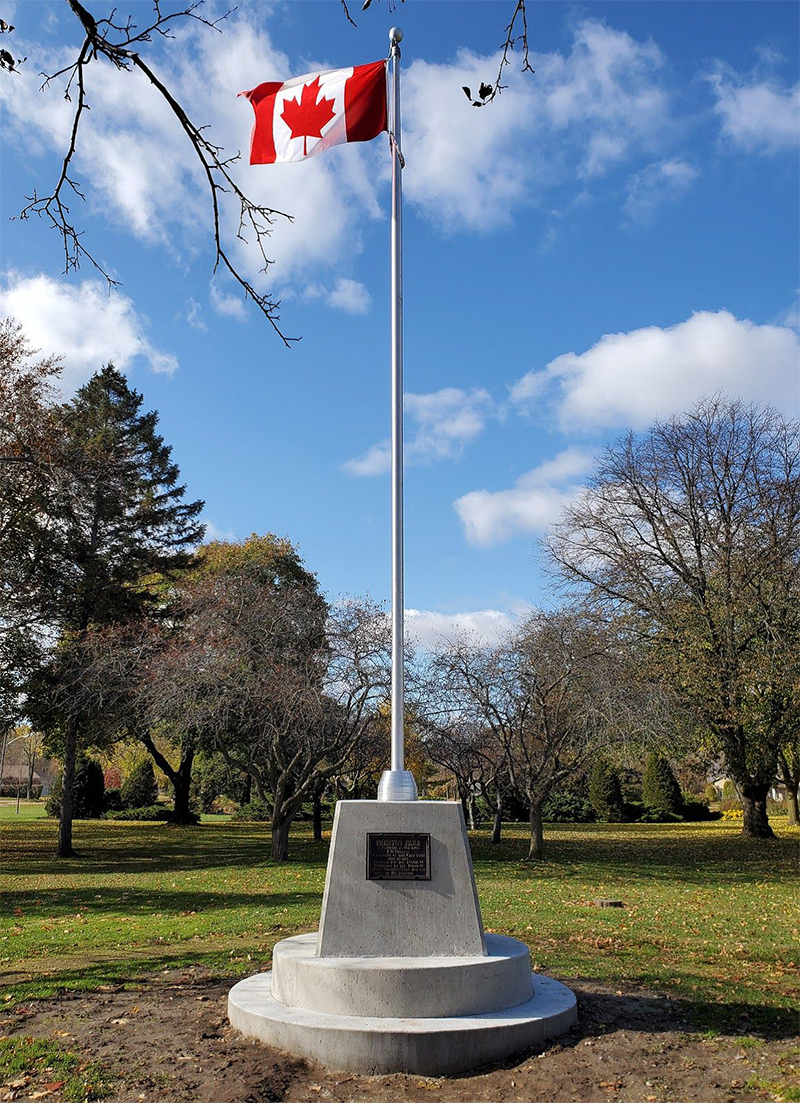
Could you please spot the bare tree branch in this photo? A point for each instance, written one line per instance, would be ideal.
(514, 37)
(349, 17)
(116, 42)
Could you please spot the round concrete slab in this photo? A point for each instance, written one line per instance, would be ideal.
(428, 1046)
(424, 987)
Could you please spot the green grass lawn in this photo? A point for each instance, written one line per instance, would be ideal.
(28, 809)
(709, 917)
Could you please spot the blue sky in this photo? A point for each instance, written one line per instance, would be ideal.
(612, 238)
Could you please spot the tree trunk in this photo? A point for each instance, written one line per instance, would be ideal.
(473, 819)
(497, 827)
(792, 809)
(280, 837)
(180, 779)
(67, 789)
(31, 764)
(316, 805)
(537, 835)
(755, 824)
(248, 788)
(791, 780)
(181, 785)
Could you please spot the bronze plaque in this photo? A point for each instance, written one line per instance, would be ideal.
(398, 857)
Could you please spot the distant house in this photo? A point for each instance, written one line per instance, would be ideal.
(25, 771)
(777, 792)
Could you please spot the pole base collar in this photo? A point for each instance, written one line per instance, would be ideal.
(397, 785)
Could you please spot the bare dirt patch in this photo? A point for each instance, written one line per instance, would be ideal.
(169, 1040)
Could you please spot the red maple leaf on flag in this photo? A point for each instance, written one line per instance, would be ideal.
(305, 117)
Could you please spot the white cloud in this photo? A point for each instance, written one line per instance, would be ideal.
(194, 314)
(441, 423)
(229, 306)
(791, 316)
(657, 183)
(375, 461)
(628, 379)
(429, 629)
(83, 322)
(348, 295)
(489, 517)
(351, 296)
(761, 115)
(582, 112)
(214, 532)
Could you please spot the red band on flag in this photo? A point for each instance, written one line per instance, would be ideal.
(365, 102)
(262, 143)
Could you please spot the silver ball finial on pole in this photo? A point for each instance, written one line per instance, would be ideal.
(395, 36)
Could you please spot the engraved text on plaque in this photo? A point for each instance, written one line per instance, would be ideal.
(398, 857)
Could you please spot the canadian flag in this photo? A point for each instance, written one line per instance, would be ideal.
(305, 115)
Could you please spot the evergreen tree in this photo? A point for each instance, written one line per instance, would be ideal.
(119, 511)
(605, 791)
(139, 789)
(88, 789)
(660, 789)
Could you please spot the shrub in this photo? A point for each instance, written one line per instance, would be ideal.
(605, 791)
(255, 811)
(693, 810)
(658, 815)
(139, 789)
(150, 812)
(660, 789)
(561, 807)
(710, 793)
(732, 813)
(729, 791)
(52, 806)
(113, 800)
(87, 793)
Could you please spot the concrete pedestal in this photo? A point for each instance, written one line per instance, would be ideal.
(400, 977)
(363, 918)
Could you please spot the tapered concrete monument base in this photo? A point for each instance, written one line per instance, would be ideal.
(401, 976)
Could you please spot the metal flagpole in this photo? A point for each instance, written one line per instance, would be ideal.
(397, 783)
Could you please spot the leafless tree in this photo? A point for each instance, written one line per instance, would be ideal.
(691, 532)
(454, 747)
(359, 775)
(281, 686)
(464, 748)
(545, 693)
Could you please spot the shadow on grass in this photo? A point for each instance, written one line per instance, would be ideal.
(51, 903)
(655, 852)
(153, 848)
